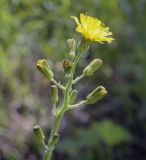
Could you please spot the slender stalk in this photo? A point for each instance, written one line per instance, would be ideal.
(58, 118)
(78, 79)
(58, 84)
(54, 110)
(77, 104)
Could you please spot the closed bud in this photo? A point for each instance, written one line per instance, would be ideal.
(55, 139)
(67, 65)
(54, 94)
(71, 47)
(39, 134)
(73, 96)
(96, 95)
(43, 67)
(92, 67)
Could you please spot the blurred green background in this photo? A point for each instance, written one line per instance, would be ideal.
(112, 129)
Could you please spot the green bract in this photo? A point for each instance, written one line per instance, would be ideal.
(39, 134)
(43, 67)
(92, 67)
(96, 95)
(54, 94)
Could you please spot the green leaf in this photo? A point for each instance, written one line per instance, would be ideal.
(106, 130)
(111, 132)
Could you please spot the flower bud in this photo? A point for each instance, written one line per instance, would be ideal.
(71, 47)
(43, 67)
(54, 94)
(55, 139)
(67, 65)
(83, 45)
(73, 96)
(92, 67)
(96, 95)
(39, 134)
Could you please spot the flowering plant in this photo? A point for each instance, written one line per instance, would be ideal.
(91, 29)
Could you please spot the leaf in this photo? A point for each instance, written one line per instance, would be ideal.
(106, 130)
(112, 133)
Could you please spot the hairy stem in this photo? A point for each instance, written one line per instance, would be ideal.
(59, 116)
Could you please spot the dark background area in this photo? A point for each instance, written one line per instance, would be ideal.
(112, 129)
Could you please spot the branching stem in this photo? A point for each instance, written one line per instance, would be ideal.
(64, 108)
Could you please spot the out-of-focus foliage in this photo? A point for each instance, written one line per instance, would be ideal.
(33, 29)
(94, 135)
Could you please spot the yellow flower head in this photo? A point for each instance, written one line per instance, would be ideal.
(92, 29)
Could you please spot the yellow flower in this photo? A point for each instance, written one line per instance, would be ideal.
(92, 29)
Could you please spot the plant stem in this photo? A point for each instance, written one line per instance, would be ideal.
(58, 84)
(78, 78)
(58, 118)
(77, 104)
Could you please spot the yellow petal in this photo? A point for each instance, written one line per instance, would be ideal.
(75, 19)
(92, 29)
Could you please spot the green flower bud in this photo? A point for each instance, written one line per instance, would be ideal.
(43, 67)
(55, 139)
(67, 65)
(92, 67)
(39, 134)
(96, 95)
(83, 45)
(54, 94)
(73, 96)
(71, 47)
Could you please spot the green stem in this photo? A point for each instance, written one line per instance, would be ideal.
(54, 111)
(58, 118)
(77, 104)
(58, 84)
(78, 79)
